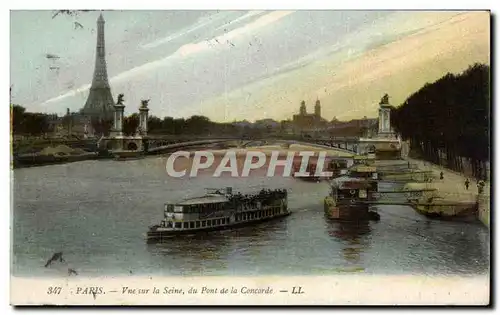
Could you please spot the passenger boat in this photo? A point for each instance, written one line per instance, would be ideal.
(347, 194)
(219, 210)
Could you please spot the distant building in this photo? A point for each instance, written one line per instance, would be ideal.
(304, 121)
(364, 122)
(54, 122)
(286, 127)
(70, 125)
(365, 127)
(242, 124)
(267, 124)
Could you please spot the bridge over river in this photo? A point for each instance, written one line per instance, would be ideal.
(167, 142)
(27, 152)
(349, 145)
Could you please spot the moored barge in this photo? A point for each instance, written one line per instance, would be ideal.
(219, 210)
(334, 166)
(349, 193)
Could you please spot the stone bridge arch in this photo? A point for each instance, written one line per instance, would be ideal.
(132, 146)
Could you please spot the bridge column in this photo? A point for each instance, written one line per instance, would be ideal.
(360, 148)
(118, 120)
(143, 118)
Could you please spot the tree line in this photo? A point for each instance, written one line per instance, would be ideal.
(194, 125)
(38, 124)
(450, 116)
(26, 123)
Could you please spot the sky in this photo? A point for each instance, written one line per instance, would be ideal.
(235, 65)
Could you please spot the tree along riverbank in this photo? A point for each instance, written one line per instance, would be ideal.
(447, 122)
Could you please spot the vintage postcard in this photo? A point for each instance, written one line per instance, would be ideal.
(307, 157)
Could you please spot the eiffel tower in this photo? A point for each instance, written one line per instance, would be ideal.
(100, 102)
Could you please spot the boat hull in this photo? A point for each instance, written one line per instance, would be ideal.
(336, 211)
(158, 236)
(448, 212)
(351, 213)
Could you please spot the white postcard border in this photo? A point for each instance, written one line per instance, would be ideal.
(146, 4)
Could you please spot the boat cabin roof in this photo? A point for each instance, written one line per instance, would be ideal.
(359, 168)
(363, 157)
(355, 185)
(346, 181)
(209, 198)
(343, 179)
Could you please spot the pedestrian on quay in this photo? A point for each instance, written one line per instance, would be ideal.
(467, 184)
(441, 175)
(480, 187)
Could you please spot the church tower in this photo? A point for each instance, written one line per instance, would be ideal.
(303, 111)
(317, 109)
(100, 101)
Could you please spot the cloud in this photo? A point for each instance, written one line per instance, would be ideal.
(201, 23)
(258, 23)
(398, 68)
(241, 18)
(184, 52)
(74, 92)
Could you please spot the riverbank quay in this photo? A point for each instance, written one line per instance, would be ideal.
(34, 159)
(35, 145)
(452, 188)
(56, 155)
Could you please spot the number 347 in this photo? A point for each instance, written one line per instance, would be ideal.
(54, 290)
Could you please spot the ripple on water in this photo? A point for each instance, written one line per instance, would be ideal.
(97, 212)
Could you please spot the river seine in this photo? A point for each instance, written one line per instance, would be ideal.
(97, 214)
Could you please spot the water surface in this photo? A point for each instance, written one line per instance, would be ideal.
(97, 213)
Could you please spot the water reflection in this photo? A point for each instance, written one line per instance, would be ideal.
(97, 212)
(457, 244)
(203, 253)
(354, 235)
(192, 253)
